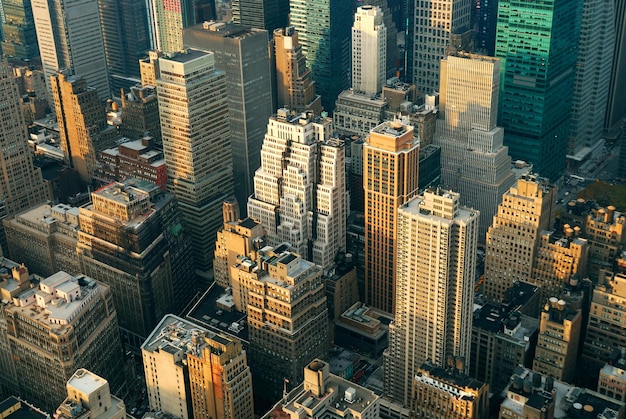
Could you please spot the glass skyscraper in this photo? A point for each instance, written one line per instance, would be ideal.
(538, 49)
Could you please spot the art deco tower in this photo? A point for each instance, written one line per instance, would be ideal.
(435, 265)
(474, 161)
(369, 50)
(193, 106)
(390, 174)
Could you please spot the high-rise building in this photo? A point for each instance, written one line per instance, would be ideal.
(193, 105)
(167, 19)
(538, 60)
(21, 185)
(19, 39)
(90, 394)
(440, 27)
(557, 345)
(261, 14)
(485, 15)
(448, 393)
(527, 209)
(241, 53)
(300, 189)
(324, 32)
(51, 330)
(474, 161)
(125, 34)
(369, 50)
(70, 39)
(132, 238)
(436, 264)
(390, 174)
(389, 9)
(287, 317)
(140, 113)
(192, 372)
(604, 229)
(616, 104)
(323, 394)
(593, 73)
(82, 123)
(294, 85)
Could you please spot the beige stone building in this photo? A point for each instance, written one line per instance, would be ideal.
(604, 228)
(192, 372)
(89, 397)
(390, 178)
(612, 380)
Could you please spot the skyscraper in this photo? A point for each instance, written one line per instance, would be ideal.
(435, 265)
(390, 175)
(391, 28)
(473, 160)
(193, 105)
(70, 38)
(21, 185)
(440, 27)
(261, 14)
(19, 38)
(294, 85)
(369, 50)
(300, 188)
(167, 19)
(538, 59)
(526, 210)
(82, 123)
(616, 106)
(324, 34)
(242, 54)
(593, 73)
(485, 20)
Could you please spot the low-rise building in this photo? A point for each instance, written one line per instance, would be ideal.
(89, 397)
(612, 380)
(358, 329)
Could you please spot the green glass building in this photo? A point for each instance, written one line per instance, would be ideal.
(537, 42)
(324, 31)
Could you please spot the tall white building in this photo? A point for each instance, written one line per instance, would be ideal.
(70, 38)
(196, 142)
(300, 189)
(440, 27)
(369, 50)
(593, 74)
(435, 268)
(474, 161)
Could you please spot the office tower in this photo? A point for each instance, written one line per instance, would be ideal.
(485, 19)
(237, 238)
(284, 297)
(132, 238)
(390, 9)
(441, 27)
(504, 336)
(140, 113)
(357, 113)
(474, 161)
(616, 104)
(89, 394)
(605, 328)
(295, 87)
(193, 105)
(300, 188)
(593, 73)
(82, 123)
(538, 60)
(204, 10)
(21, 185)
(560, 258)
(166, 20)
(261, 14)
(604, 229)
(149, 68)
(19, 39)
(369, 50)
(448, 393)
(37, 331)
(612, 380)
(241, 53)
(434, 287)
(44, 239)
(192, 372)
(324, 31)
(323, 394)
(70, 39)
(390, 172)
(133, 159)
(125, 34)
(526, 210)
(557, 345)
